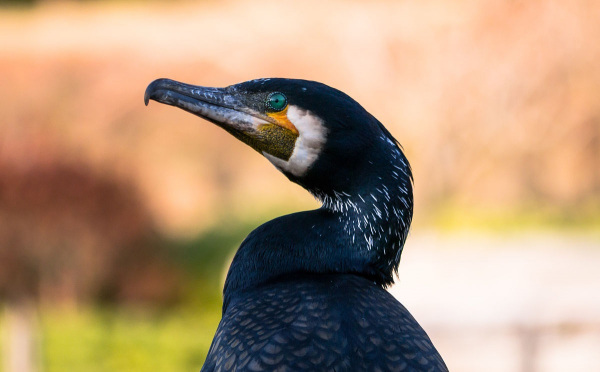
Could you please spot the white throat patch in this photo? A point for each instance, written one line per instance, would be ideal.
(311, 139)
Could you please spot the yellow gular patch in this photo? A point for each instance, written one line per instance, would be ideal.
(283, 121)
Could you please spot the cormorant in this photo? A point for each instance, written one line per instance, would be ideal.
(306, 291)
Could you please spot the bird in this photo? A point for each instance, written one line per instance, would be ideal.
(308, 291)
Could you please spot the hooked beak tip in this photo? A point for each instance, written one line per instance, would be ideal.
(148, 92)
(153, 88)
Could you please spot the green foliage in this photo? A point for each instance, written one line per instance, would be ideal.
(584, 217)
(205, 255)
(204, 261)
(18, 2)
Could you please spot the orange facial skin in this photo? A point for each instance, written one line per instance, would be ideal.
(283, 121)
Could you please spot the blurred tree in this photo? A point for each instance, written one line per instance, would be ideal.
(69, 235)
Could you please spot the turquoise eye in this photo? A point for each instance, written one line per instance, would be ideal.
(276, 101)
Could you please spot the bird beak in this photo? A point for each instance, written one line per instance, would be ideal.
(217, 105)
(230, 109)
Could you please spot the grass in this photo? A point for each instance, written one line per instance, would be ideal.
(126, 340)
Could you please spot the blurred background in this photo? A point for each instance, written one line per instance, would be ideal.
(117, 221)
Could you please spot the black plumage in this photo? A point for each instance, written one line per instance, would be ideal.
(306, 291)
(325, 322)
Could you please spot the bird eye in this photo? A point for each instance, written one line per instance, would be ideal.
(276, 101)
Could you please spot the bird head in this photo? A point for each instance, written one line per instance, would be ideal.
(326, 142)
(316, 135)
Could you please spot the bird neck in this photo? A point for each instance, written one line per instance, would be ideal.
(361, 233)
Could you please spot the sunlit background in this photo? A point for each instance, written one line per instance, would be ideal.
(117, 221)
